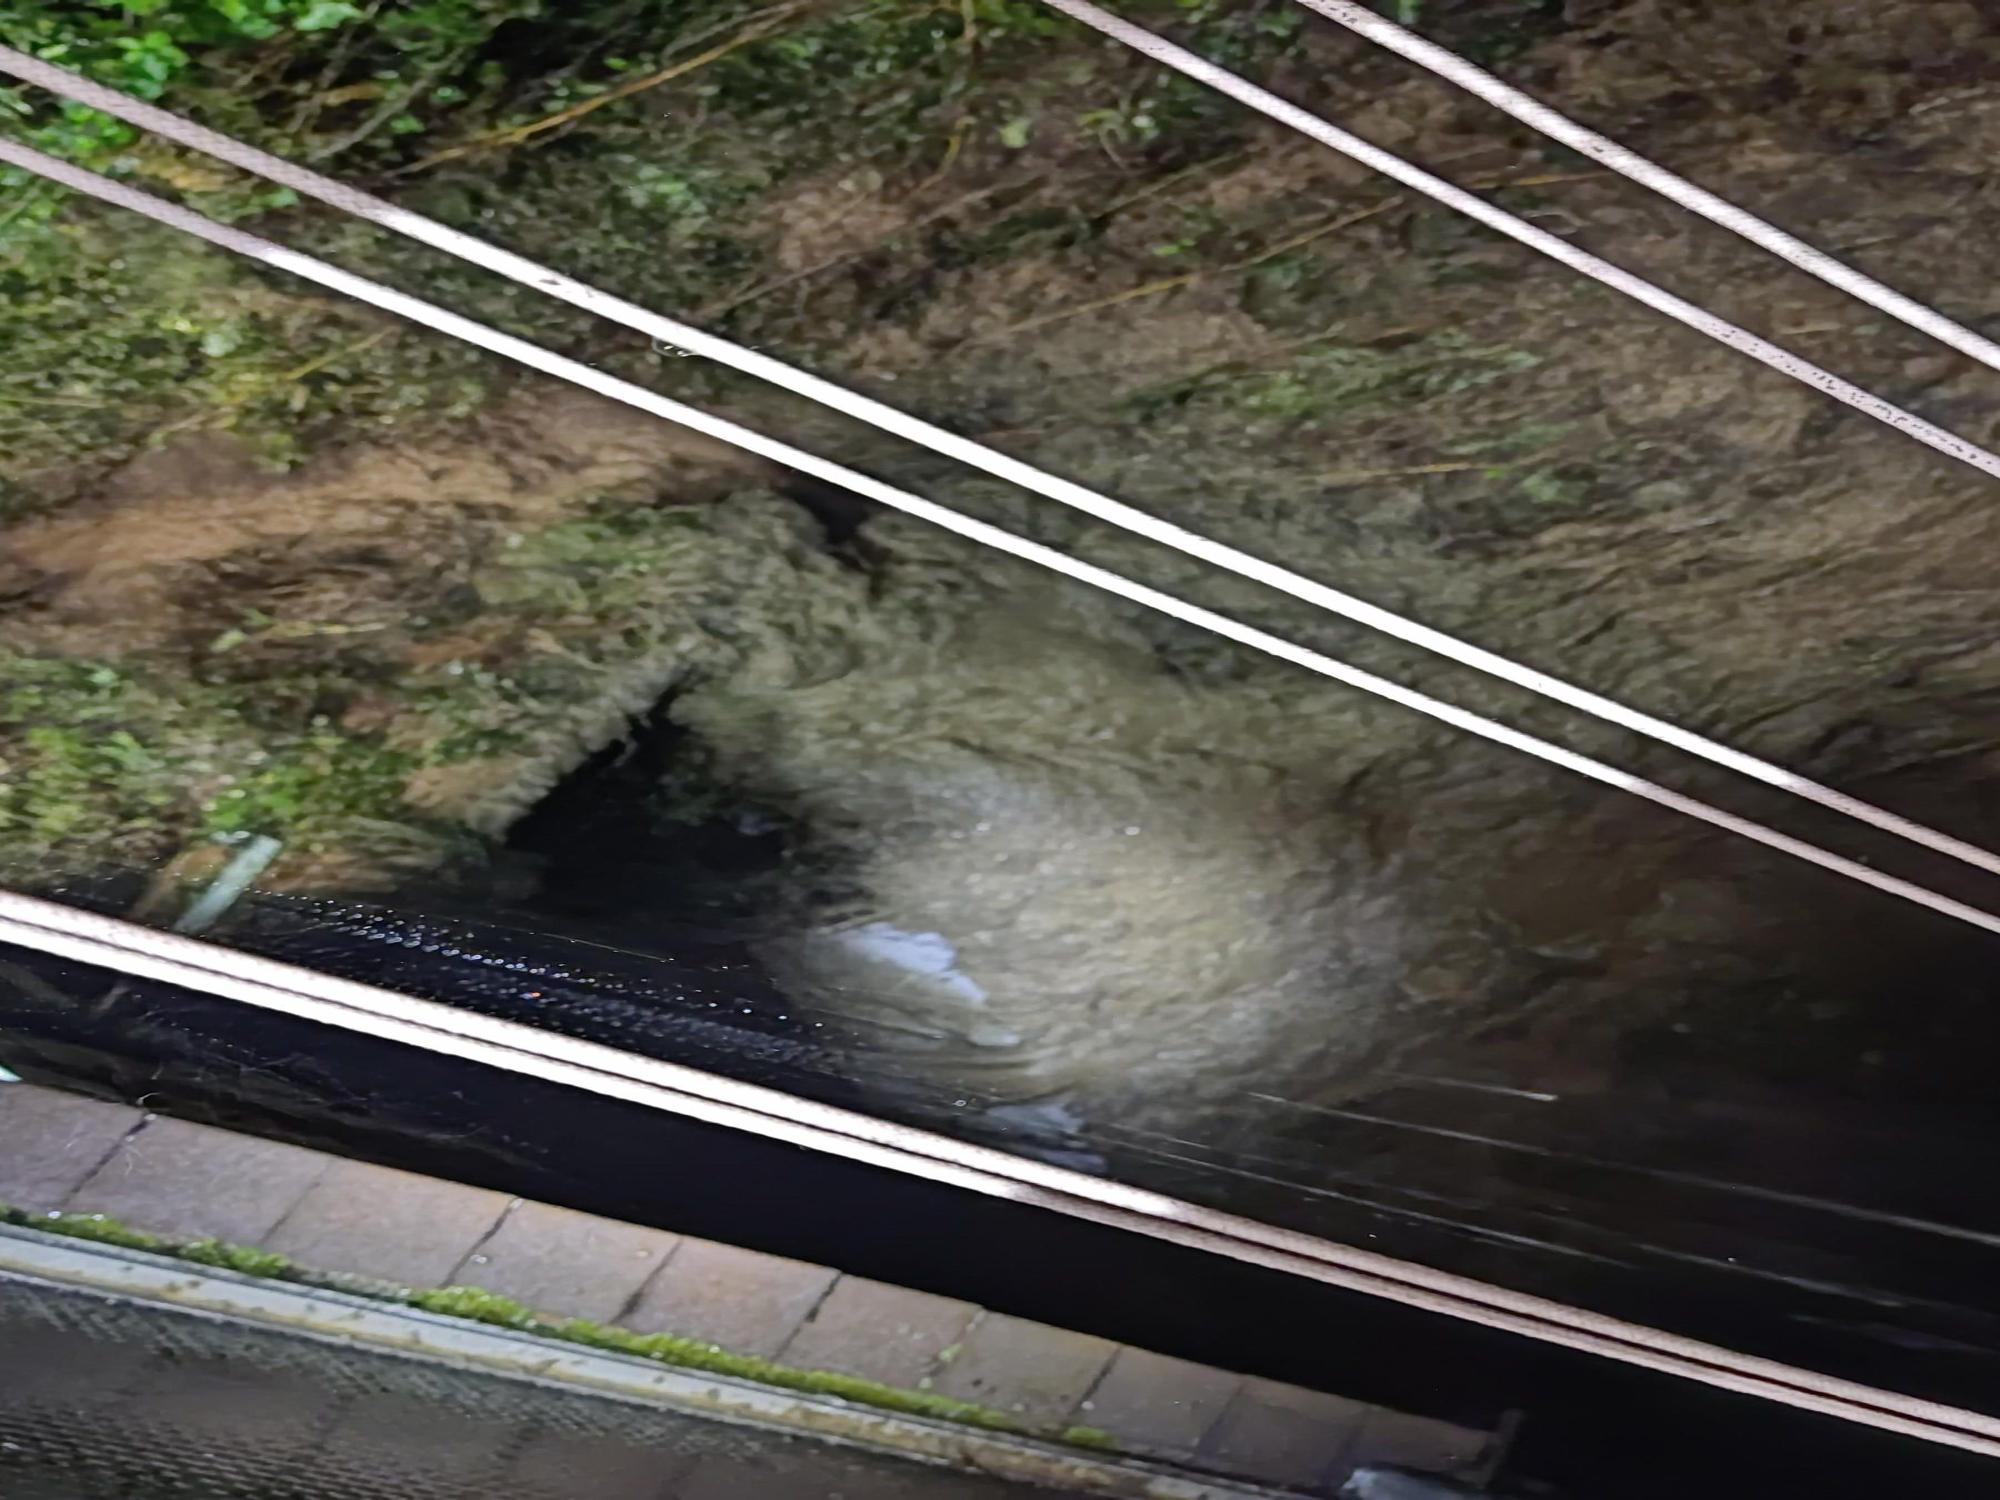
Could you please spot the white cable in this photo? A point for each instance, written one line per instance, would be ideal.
(131, 949)
(1160, 50)
(1629, 163)
(889, 419)
(128, 948)
(537, 358)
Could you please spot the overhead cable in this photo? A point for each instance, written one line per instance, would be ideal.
(256, 248)
(1628, 163)
(143, 952)
(1151, 44)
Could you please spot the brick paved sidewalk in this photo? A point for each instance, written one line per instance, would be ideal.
(63, 1152)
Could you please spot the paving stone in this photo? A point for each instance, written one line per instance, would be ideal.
(191, 1181)
(1281, 1434)
(559, 1466)
(1394, 1439)
(1153, 1404)
(50, 1141)
(1029, 1370)
(557, 1261)
(745, 1301)
(879, 1332)
(376, 1221)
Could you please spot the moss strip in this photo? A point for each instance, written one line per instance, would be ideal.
(481, 1306)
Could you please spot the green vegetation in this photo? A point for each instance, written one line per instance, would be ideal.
(102, 1228)
(1333, 379)
(1553, 489)
(141, 47)
(130, 758)
(486, 113)
(478, 1305)
(693, 1354)
(674, 151)
(103, 757)
(599, 569)
(246, 1260)
(119, 330)
(1088, 1437)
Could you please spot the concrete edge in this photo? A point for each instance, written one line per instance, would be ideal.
(27, 1255)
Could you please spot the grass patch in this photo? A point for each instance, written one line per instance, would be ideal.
(100, 1228)
(1089, 1437)
(246, 1260)
(1335, 379)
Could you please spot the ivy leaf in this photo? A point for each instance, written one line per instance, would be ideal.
(323, 15)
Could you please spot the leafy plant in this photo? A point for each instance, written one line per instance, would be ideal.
(140, 47)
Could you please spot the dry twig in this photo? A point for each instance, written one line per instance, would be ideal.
(1269, 252)
(1186, 278)
(759, 29)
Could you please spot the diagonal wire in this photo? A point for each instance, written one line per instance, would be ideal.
(576, 373)
(170, 958)
(1629, 163)
(1079, 497)
(1761, 349)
